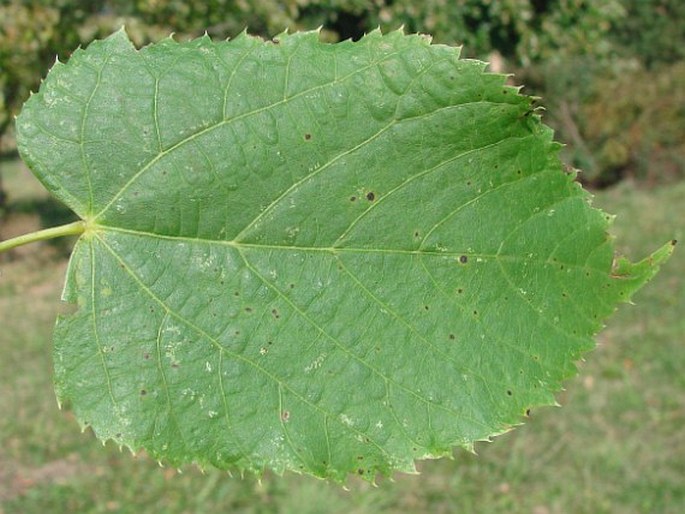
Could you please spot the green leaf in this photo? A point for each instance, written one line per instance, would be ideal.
(323, 258)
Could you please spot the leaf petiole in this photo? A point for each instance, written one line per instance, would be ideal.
(70, 229)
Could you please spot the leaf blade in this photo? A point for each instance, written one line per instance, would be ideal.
(323, 258)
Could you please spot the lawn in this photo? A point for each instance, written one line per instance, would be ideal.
(616, 445)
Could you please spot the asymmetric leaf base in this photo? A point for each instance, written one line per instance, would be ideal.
(324, 258)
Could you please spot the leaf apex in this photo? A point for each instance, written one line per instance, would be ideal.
(639, 273)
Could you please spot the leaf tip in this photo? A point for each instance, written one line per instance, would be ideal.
(641, 272)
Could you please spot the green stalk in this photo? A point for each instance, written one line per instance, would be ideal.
(70, 229)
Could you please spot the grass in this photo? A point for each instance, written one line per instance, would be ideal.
(617, 445)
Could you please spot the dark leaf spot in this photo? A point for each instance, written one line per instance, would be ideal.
(528, 412)
(275, 313)
(307, 137)
(143, 392)
(426, 307)
(370, 196)
(451, 336)
(285, 416)
(460, 290)
(463, 259)
(509, 392)
(146, 356)
(360, 471)
(353, 198)
(248, 309)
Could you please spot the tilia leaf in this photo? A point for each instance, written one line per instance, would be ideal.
(323, 258)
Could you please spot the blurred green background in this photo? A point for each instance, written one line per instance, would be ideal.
(612, 77)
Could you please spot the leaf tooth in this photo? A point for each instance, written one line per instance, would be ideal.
(469, 447)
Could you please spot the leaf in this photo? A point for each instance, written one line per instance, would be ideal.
(323, 258)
